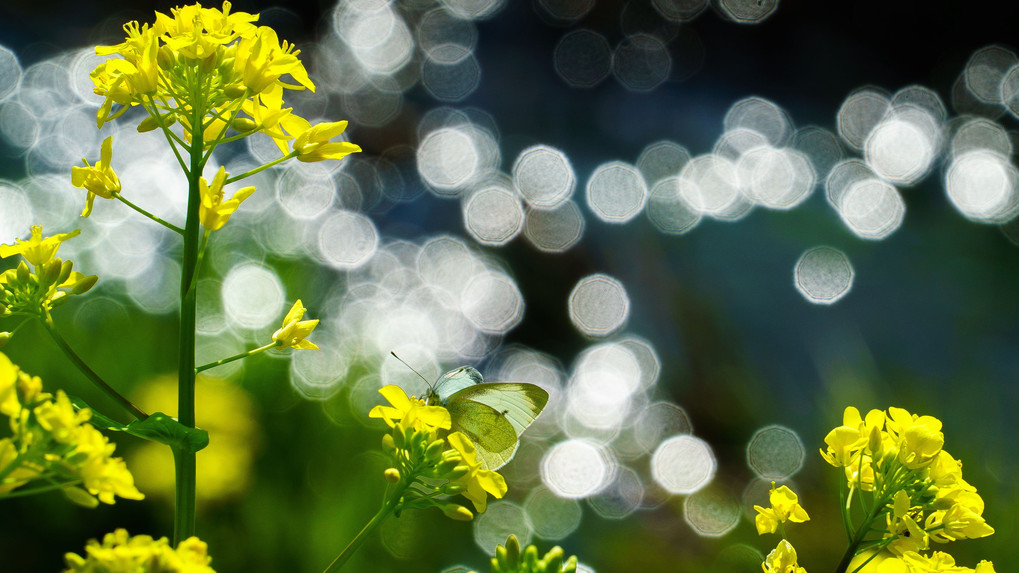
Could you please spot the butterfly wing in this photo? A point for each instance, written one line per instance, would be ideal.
(493, 436)
(519, 403)
(456, 380)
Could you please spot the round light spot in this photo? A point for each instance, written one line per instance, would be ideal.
(598, 305)
(305, 191)
(775, 452)
(982, 186)
(985, 71)
(493, 216)
(10, 72)
(823, 275)
(712, 511)
(900, 151)
(616, 192)
(620, 498)
(252, 296)
(492, 302)
(500, 520)
(576, 469)
(859, 113)
(451, 158)
(544, 177)
(318, 375)
(566, 10)
(821, 146)
(668, 209)
(602, 387)
(551, 516)
(439, 28)
(554, 231)
(710, 185)
(474, 10)
(679, 10)
(583, 58)
(776, 178)
(662, 160)
(683, 464)
(18, 126)
(872, 208)
(923, 98)
(748, 11)
(641, 62)
(157, 289)
(450, 80)
(347, 240)
(658, 421)
(1010, 90)
(738, 558)
(16, 215)
(980, 133)
(842, 177)
(761, 116)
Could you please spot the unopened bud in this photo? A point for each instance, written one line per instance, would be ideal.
(434, 451)
(554, 559)
(388, 445)
(5, 337)
(452, 488)
(49, 271)
(23, 272)
(571, 565)
(165, 57)
(236, 90)
(84, 285)
(456, 473)
(80, 497)
(398, 437)
(392, 475)
(457, 512)
(243, 124)
(65, 272)
(512, 550)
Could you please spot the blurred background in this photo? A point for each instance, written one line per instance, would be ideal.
(705, 228)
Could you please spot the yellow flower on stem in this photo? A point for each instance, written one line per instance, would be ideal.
(410, 410)
(37, 249)
(477, 482)
(214, 212)
(782, 559)
(260, 60)
(123, 553)
(294, 330)
(784, 507)
(98, 179)
(313, 143)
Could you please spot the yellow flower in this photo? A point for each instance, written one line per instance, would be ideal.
(312, 142)
(294, 330)
(98, 179)
(102, 475)
(919, 437)
(59, 418)
(122, 553)
(784, 507)
(37, 250)
(214, 212)
(903, 527)
(477, 482)
(412, 412)
(260, 60)
(20, 475)
(782, 559)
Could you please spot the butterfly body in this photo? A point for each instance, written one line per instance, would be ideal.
(491, 415)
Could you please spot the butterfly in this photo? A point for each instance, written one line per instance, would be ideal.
(491, 415)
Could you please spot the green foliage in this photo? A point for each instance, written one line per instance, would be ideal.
(509, 559)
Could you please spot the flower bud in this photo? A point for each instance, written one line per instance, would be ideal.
(457, 512)
(554, 559)
(512, 550)
(388, 445)
(571, 565)
(65, 272)
(452, 489)
(79, 496)
(235, 90)
(398, 436)
(84, 285)
(243, 124)
(49, 272)
(165, 58)
(456, 473)
(392, 475)
(23, 272)
(434, 450)
(5, 337)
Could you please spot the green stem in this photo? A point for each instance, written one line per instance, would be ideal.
(90, 374)
(251, 352)
(858, 539)
(356, 543)
(257, 170)
(170, 226)
(184, 461)
(35, 490)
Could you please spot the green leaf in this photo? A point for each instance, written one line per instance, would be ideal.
(98, 419)
(161, 428)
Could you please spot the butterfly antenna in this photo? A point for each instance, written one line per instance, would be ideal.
(411, 367)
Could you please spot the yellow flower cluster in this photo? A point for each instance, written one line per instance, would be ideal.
(53, 445)
(917, 486)
(420, 448)
(122, 553)
(782, 559)
(203, 67)
(47, 284)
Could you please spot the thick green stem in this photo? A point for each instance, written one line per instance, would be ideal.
(184, 461)
(90, 374)
(356, 543)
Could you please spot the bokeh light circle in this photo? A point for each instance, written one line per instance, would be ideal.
(577, 468)
(775, 452)
(823, 275)
(599, 305)
(683, 464)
